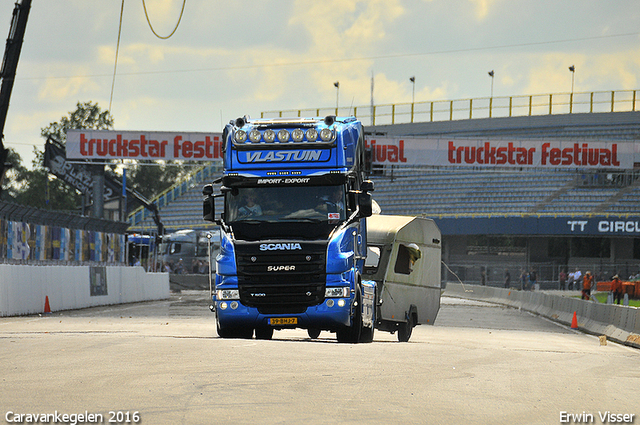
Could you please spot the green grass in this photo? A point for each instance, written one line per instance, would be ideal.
(602, 297)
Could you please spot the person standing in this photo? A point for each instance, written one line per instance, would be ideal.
(587, 282)
(507, 279)
(616, 288)
(533, 277)
(572, 277)
(523, 279)
(577, 278)
(563, 280)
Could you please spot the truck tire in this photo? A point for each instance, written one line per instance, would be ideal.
(366, 335)
(404, 331)
(313, 333)
(264, 333)
(351, 334)
(224, 332)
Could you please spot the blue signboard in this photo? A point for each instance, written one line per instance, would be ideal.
(541, 226)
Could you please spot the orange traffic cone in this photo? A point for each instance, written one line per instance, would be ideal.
(574, 321)
(47, 308)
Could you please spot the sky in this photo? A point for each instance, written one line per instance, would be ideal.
(242, 57)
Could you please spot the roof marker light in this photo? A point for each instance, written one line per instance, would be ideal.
(326, 134)
(312, 135)
(297, 135)
(254, 136)
(283, 135)
(269, 136)
(241, 136)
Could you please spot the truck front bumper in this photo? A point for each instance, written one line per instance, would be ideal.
(331, 314)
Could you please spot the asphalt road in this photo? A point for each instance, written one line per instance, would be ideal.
(161, 363)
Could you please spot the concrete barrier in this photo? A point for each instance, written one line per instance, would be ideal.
(618, 323)
(24, 288)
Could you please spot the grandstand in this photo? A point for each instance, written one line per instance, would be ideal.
(180, 206)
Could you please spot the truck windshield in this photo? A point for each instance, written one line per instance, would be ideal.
(287, 204)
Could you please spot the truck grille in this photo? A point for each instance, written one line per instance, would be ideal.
(280, 280)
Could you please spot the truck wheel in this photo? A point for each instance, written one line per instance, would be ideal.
(243, 333)
(367, 334)
(351, 334)
(264, 333)
(404, 331)
(313, 333)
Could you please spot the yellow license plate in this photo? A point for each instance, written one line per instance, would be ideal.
(276, 321)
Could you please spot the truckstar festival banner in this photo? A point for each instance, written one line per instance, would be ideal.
(141, 145)
(547, 153)
(502, 153)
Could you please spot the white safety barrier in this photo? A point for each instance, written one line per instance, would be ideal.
(29, 289)
(618, 323)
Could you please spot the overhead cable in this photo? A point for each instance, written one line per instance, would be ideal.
(151, 26)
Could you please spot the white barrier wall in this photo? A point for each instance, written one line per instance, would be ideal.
(24, 288)
(619, 323)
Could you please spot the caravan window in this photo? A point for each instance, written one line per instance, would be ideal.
(175, 248)
(407, 257)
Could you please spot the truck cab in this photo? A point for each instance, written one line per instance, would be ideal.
(293, 229)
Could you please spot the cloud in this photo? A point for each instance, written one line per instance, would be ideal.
(549, 73)
(54, 89)
(482, 7)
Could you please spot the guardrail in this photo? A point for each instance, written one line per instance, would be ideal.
(483, 107)
(618, 323)
(169, 195)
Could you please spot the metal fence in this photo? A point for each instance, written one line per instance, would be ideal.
(33, 236)
(483, 107)
(547, 274)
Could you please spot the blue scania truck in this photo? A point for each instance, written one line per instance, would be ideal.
(293, 229)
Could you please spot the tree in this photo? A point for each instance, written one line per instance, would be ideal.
(15, 177)
(151, 179)
(87, 115)
(46, 191)
(38, 188)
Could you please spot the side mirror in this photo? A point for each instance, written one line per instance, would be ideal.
(208, 203)
(367, 186)
(365, 203)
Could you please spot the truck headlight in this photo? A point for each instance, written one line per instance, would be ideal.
(339, 292)
(227, 294)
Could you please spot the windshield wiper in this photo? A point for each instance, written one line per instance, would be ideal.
(304, 219)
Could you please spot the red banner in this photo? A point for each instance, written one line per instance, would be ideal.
(502, 153)
(140, 145)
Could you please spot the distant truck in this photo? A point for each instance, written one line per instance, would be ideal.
(186, 245)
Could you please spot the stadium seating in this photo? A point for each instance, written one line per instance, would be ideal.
(463, 192)
(429, 191)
